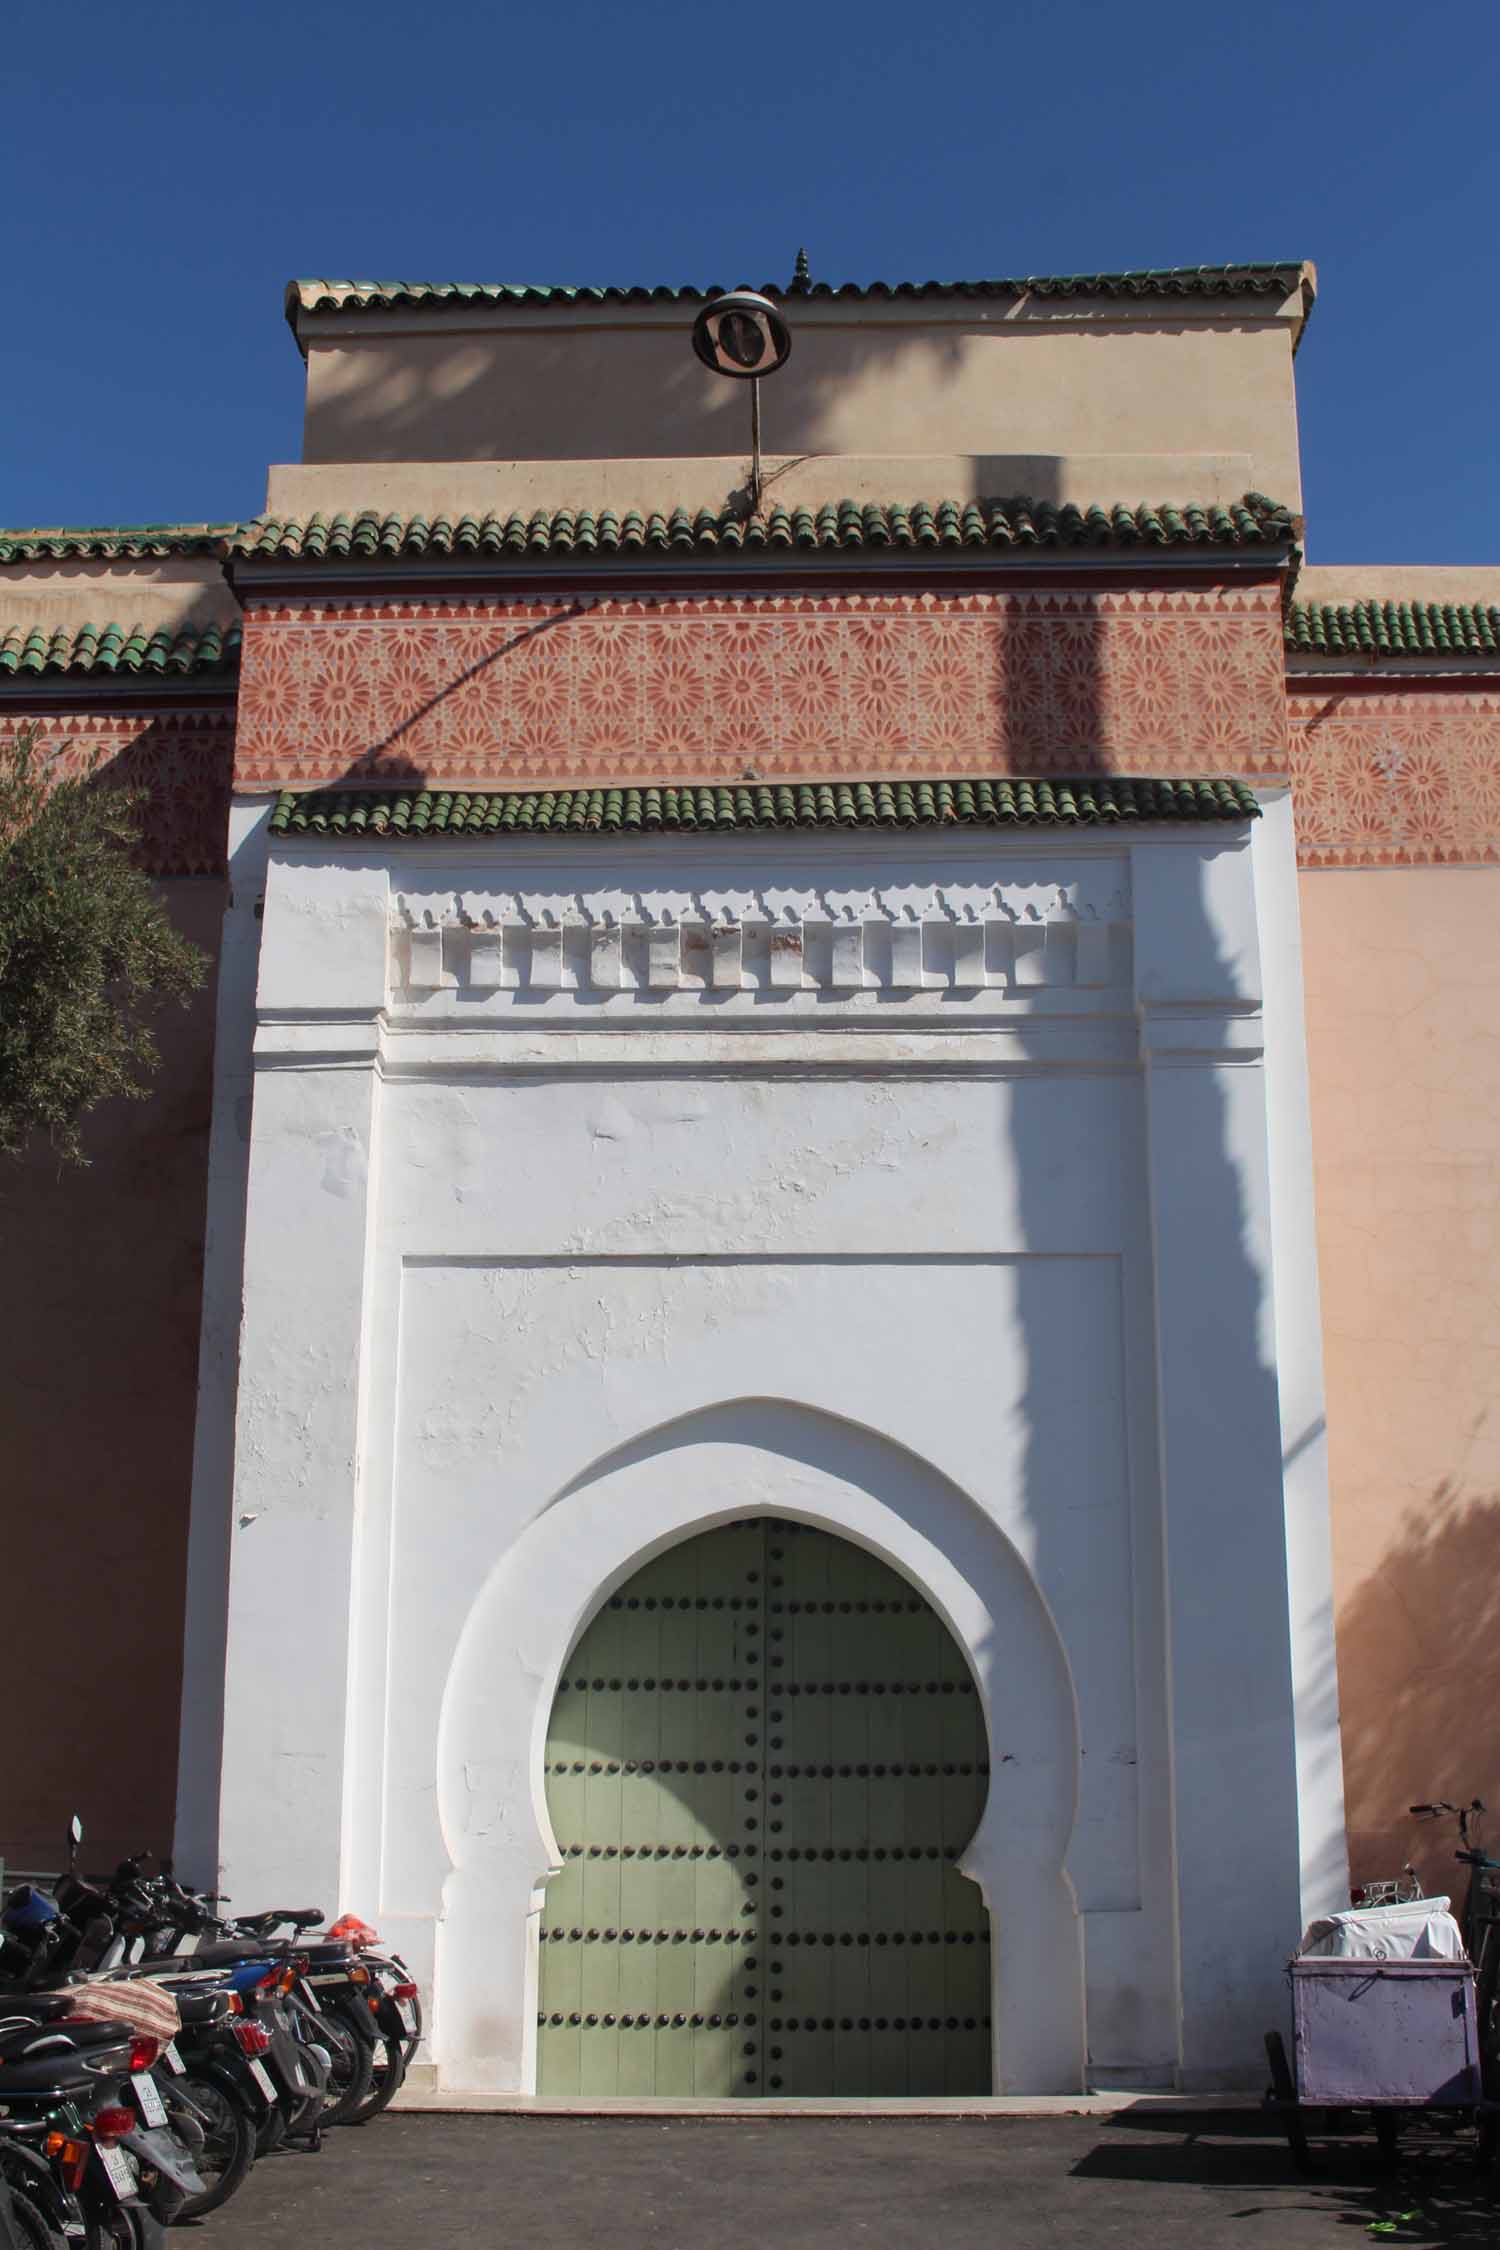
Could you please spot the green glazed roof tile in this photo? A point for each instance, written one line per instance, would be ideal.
(1264, 280)
(97, 650)
(377, 814)
(1376, 628)
(110, 542)
(845, 526)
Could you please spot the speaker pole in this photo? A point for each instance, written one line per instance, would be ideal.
(755, 481)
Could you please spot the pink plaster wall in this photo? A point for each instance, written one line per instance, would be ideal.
(100, 1291)
(1402, 970)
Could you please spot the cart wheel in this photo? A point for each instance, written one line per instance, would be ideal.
(1284, 2100)
(1283, 2085)
(1486, 2139)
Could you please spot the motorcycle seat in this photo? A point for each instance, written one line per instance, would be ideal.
(201, 2007)
(227, 1953)
(61, 2072)
(35, 2057)
(299, 1917)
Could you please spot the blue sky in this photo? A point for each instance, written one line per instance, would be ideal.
(170, 167)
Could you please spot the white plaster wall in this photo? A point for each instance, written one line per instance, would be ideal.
(979, 1269)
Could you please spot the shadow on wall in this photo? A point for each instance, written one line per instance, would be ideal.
(1419, 1667)
(1063, 658)
(1207, 1586)
(640, 395)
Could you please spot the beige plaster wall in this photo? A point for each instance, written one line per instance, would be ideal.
(533, 389)
(456, 488)
(1398, 582)
(170, 591)
(1403, 977)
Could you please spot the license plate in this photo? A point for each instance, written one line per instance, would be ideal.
(408, 2014)
(120, 2170)
(341, 1978)
(172, 2059)
(153, 2108)
(263, 2080)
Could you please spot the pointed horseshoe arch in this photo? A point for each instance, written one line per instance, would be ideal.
(751, 1458)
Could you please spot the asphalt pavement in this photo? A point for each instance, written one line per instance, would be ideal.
(550, 2183)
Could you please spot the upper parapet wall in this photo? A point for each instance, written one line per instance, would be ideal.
(1048, 368)
(163, 578)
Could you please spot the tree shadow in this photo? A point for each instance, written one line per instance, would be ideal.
(1419, 1671)
(1434, 2194)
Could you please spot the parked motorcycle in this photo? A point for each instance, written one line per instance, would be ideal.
(151, 2047)
(78, 2144)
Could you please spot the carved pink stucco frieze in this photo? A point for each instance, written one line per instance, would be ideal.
(1402, 776)
(183, 759)
(489, 693)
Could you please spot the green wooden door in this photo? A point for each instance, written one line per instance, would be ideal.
(765, 1755)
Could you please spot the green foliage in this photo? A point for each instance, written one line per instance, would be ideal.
(87, 953)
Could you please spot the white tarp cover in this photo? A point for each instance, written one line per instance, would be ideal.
(1416, 1929)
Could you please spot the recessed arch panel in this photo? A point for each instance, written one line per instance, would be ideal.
(707, 1469)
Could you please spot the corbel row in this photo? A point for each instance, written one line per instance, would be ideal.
(936, 954)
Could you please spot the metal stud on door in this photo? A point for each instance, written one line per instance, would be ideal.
(764, 1756)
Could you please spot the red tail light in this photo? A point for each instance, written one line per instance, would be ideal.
(143, 2052)
(404, 1992)
(113, 2123)
(353, 1931)
(252, 2040)
(271, 1980)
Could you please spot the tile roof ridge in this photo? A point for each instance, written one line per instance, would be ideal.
(113, 541)
(36, 651)
(1380, 626)
(380, 811)
(1014, 523)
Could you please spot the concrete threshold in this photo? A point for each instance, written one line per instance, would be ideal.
(1099, 2103)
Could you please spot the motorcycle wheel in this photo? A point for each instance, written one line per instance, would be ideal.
(389, 2062)
(29, 2224)
(353, 2068)
(131, 2228)
(228, 2149)
(271, 2131)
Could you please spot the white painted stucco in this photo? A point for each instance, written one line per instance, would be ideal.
(941, 1190)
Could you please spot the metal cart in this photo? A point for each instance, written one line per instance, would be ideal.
(1396, 2038)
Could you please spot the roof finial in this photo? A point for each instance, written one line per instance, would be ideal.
(801, 272)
